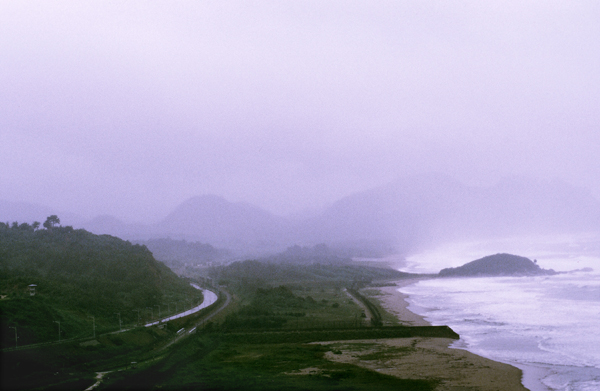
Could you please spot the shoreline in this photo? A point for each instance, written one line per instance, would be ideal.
(433, 358)
(395, 302)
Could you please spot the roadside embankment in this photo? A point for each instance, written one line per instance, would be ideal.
(372, 333)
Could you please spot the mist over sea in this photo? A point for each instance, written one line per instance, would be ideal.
(547, 325)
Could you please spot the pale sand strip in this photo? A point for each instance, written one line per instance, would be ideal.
(425, 358)
(395, 302)
(428, 359)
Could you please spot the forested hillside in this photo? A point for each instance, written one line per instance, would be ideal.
(180, 254)
(78, 275)
(254, 273)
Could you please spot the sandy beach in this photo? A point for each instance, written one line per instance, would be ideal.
(425, 358)
(395, 303)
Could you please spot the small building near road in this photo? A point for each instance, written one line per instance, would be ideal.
(32, 289)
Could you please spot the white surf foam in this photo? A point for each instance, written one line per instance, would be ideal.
(547, 325)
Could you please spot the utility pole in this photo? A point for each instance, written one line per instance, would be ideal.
(93, 324)
(119, 314)
(56, 321)
(16, 337)
(138, 318)
(158, 305)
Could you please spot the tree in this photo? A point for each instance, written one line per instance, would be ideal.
(36, 225)
(51, 221)
(25, 227)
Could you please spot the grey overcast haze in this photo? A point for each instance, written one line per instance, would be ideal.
(129, 108)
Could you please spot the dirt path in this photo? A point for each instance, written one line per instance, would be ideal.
(362, 305)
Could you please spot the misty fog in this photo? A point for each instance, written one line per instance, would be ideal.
(282, 157)
(129, 110)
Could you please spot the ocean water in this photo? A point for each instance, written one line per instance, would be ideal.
(549, 326)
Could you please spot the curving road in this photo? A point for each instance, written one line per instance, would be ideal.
(184, 333)
(209, 299)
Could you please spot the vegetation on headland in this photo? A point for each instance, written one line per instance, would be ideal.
(497, 265)
(82, 281)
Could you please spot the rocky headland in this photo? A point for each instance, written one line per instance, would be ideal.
(497, 265)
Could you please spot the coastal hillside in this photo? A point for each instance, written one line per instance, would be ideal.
(77, 275)
(497, 265)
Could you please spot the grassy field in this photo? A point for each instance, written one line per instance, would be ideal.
(68, 366)
(230, 355)
(207, 362)
(333, 305)
(264, 340)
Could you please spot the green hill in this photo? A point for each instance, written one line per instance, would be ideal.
(497, 265)
(79, 275)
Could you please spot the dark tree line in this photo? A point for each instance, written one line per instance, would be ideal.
(49, 224)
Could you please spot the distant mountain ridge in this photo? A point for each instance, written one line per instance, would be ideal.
(418, 210)
(218, 221)
(497, 265)
(407, 214)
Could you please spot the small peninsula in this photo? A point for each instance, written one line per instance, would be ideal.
(497, 265)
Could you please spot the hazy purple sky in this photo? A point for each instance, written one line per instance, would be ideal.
(130, 107)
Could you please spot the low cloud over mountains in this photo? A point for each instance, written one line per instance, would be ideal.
(408, 213)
